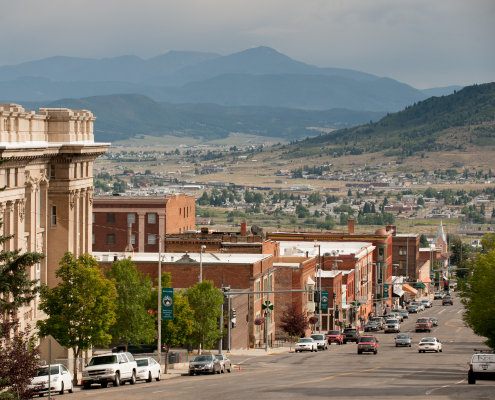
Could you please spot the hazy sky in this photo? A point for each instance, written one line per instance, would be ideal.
(424, 43)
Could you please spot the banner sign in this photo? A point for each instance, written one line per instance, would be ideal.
(167, 303)
(324, 300)
(385, 290)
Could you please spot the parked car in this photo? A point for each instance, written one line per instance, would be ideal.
(412, 310)
(403, 339)
(481, 366)
(206, 363)
(404, 313)
(423, 324)
(321, 340)
(147, 369)
(60, 379)
(427, 303)
(392, 325)
(335, 336)
(110, 367)
(438, 296)
(430, 344)
(225, 363)
(351, 335)
(371, 327)
(447, 300)
(434, 321)
(379, 321)
(306, 344)
(367, 344)
(137, 349)
(418, 304)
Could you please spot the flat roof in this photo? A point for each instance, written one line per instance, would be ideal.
(299, 249)
(328, 274)
(407, 234)
(207, 258)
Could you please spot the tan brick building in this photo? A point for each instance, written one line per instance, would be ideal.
(48, 198)
(150, 217)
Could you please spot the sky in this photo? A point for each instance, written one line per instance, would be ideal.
(424, 43)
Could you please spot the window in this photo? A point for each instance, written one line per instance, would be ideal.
(75, 171)
(381, 254)
(38, 209)
(111, 238)
(133, 238)
(151, 218)
(93, 238)
(52, 171)
(402, 250)
(258, 289)
(82, 170)
(131, 218)
(7, 177)
(16, 171)
(110, 218)
(53, 216)
(258, 328)
(151, 239)
(93, 220)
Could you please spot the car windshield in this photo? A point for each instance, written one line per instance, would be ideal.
(142, 363)
(350, 331)
(428, 340)
(203, 358)
(412, 307)
(425, 301)
(219, 357)
(318, 337)
(433, 319)
(403, 311)
(103, 360)
(423, 320)
(403, 336)
(44, 371)
(333, 333)
(391, 321)
(447, 298)
(367, 339)
(305, 340)
(376, 319)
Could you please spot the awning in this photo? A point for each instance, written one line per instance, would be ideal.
(419, 285)
(310, 281)
(409, 289)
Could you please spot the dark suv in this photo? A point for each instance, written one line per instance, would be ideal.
(351, 335)
(447, 300)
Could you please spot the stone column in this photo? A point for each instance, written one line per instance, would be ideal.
(76, 224)
(141, 215)
(2, 216)
(83, 220)
(89, 220)
(9, 224)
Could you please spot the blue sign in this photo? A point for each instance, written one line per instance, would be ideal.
(386, 290)
(167, 303)
(324, 300)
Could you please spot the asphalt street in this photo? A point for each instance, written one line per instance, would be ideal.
(339, 372)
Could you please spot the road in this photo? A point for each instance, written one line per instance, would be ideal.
(394, 373)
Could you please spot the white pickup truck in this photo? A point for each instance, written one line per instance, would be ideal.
(481, 366)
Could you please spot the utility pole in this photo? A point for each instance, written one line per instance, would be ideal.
(227, 289)
(159, 349)
(319, 276)
(201, 263)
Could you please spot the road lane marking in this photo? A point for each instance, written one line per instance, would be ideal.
(442, 387)
(461, 310)
(454, 326)
(329, 377)
(441, 311)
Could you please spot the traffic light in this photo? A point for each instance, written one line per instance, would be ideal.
(446, 285)
(334, 296)
(317, 296)
(232, 313)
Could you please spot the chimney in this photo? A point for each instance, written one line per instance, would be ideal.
(243, 228)
(350, 225)
(129, 248)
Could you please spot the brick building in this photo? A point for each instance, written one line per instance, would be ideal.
(150, 217)
(251, 272)
(405, 253)
(48, 199)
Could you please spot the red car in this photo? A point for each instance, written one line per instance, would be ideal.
(367, 344)
(423, 324)
(335, 336)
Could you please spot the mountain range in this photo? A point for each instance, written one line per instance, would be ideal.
(258, 76)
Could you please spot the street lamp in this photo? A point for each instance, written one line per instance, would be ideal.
(319, 275)
(201, 263)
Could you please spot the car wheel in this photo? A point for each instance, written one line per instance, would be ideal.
(471, 378)
(190, 374)
(345, 342)
(359, 352)
(396, 345)
(441, 350)
(61, 389)
(87, 385)
(159, 376)
(149, 377)
(104, 384)
(133, 378)
(409, 345)
(116, 382)
(223, 370)
(436, 351)
(71, 390)
(230, 369)
(376, 351)
(316, 349)
(219, 371)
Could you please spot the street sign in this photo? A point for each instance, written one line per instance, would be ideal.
(324, 300)
(362, 299)
(386, 290)
(167, 303)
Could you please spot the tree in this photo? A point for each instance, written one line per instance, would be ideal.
(421, 201)
(349, 193)
(81, 308)
(147, 172)
(133, 322)
(477, 295)
(423, 241)
(19, 361)
(205, 300)
(293, 322)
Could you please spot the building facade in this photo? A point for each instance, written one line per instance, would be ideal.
(150, 217)
(48, 199)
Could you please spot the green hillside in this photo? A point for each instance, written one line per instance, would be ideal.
(436, 124)
(120, 117)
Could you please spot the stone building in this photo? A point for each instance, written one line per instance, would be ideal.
(48, 199)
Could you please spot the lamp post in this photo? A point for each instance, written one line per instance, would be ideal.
(201, 263)
(335, 267)
(159, 341)
(319, 275)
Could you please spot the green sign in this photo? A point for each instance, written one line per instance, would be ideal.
(386, 290)
(268, 304)
(167, 303)
(324, 300)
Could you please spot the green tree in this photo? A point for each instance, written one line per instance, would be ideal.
(81, 308)
(147, 172)
(423, 241)
(477, 295)
(205, 300)
(421, 201)
(133, 321)
(349, 193)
